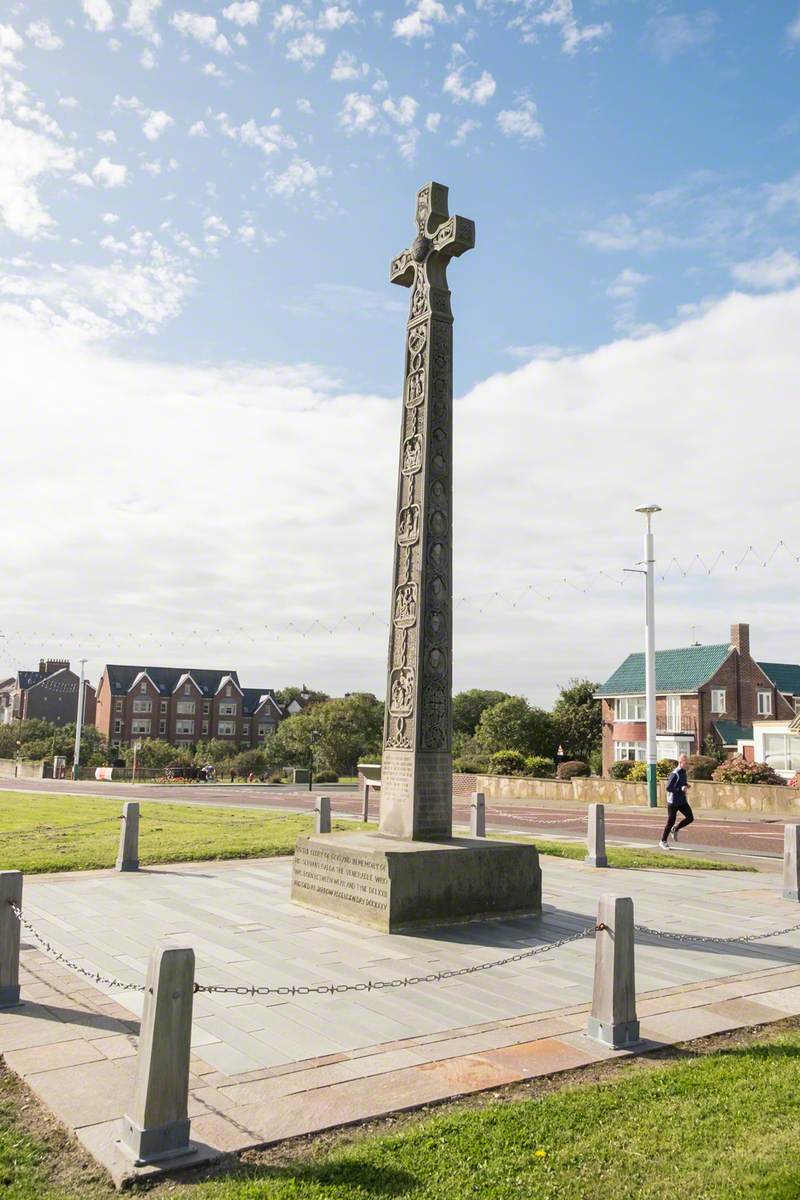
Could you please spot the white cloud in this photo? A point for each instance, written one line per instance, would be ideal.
(289, 17)
(246, 234)
(147, 59)
(69, 102)
(108, 136)
(793, 31)
(777, 270)
(305, 50)
(198, 129)
(521, 122)
(477, 92)
(211, 69)
(299, 176)
(559, 15)
(304, 106)
(333, 18)
(10, 43)
(403, 111)
(421, 20)
(407, 144)
(626, 284)
(100, 13)
(140, 19)
(463, 132)
(266, 138)
(42, 36)
(109, 174)
(243, 12)
(202, 28)
(673, 33)
(25, 157)
(621, 232)
(359, 113)
(708, 372)
(109, 218)
(433, 121)
(155, 123)
(346, 67)
(784, 195)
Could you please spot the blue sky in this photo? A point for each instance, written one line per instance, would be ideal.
(200, 203)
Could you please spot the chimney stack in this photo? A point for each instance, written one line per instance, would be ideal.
(49, 666)
(740, 639)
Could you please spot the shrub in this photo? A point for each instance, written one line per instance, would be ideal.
(572, 769)
(326, 777)
(248, 762)
(539, 767)
(470, 766)
(738, 770)
(665, 767)
(508, 762)
(700, 766)
(621, 769)
(795, 781)
(637, 773)
(596, 762)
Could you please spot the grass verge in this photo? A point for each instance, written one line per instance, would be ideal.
(705, 1123)
(623, 856)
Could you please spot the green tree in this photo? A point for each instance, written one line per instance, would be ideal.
(468, 708)
(303, 694)
(578, 719)
(43, 740)
(341, 731)
(157, 753)
(513, 724)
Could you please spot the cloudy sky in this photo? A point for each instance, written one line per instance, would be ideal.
(201, 356)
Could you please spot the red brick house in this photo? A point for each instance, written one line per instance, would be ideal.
(183, 706)
(49, 694)
(702, 692)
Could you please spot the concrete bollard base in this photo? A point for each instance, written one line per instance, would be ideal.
(618, 1036)
(596, 860)
(146, 1146)
(9, 995)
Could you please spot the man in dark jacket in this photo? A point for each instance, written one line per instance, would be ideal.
(677, 787)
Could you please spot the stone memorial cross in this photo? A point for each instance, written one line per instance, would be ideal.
(416, 776)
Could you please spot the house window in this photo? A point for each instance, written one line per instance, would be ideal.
(228, 710)
(140, 726)
(162, 727)
(228, 690)
(206, 707)
(118, 727)
(673, 714)
(245, 728)
(186, 707)
(142, 706)
(226, 728)
(187, 689)
(117, 706)
(797, 704)
(163, 706)
(266, 727)
(630, 751)
(184, 727)
(205, 728)
(782, 751)
(143, 686)
(764, 702)
(630, 708)
(115, 743)
(718, 701)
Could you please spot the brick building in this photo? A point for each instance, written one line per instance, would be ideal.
(49, 694)
(183, 706)
(701, 691)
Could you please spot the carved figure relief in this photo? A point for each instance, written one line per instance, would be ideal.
(437, 554)
(405, 605)
(434, 714)
(401, 692)
(408, 525)
(437, 661)
(417, 339)
(416, 389)
(412, 455)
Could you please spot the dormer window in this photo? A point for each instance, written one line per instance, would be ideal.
(187, 689)
(143, 686)
(228, 690)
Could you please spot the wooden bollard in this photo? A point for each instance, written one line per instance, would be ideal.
(156, 1125)
(128, 855)
(791, 862)
(322, 815)
(10, 891)
(477, 815)
(613, 1021)
(596, 837)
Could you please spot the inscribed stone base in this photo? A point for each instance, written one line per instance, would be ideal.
(392, 884)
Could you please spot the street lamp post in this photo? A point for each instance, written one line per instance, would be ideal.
(312, 739)
(79, 722)
(650, 655)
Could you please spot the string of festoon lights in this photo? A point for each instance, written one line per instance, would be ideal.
(582, 583)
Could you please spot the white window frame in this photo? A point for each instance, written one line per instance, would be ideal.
(785, 752)
(630, 751)
(228, 708)
(266, 727)
(184, 728)
(118, 705)
(226, 728)
(673, 721)
(143, 686)
(186, 708)
(162, 727)
(118, 726)
(143, 706)
(187, 689)
(141, 727)
(719, 706)
(764, 702)
(206, 707)
(625, 705)
(205, 728)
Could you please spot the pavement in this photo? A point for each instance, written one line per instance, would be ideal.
(718, 834)
(265, 1068)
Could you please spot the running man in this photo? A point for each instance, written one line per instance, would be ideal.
(677, 787)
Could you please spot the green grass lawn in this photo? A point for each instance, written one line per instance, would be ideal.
(38, 833)
(716, 1126)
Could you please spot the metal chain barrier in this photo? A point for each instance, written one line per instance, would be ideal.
(714, 941)
(58, 829)
(95, 976)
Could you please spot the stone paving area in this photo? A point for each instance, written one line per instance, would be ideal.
(273, 1067)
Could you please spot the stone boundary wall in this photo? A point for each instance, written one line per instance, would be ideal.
(10, 768)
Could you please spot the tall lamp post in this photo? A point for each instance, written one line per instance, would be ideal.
(650, 654)
(79, 722)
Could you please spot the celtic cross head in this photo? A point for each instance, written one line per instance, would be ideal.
(440, 237)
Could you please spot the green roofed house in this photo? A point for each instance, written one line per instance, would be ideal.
(715, 691)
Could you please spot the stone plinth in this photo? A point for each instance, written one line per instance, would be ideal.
(393, 883)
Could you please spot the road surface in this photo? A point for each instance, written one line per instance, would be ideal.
(729, 835)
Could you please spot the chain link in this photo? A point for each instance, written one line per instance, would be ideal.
(714, 941)
(58, 829)
(95, 976)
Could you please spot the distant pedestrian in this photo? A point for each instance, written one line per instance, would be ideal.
(677, 787)
(233, 776)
